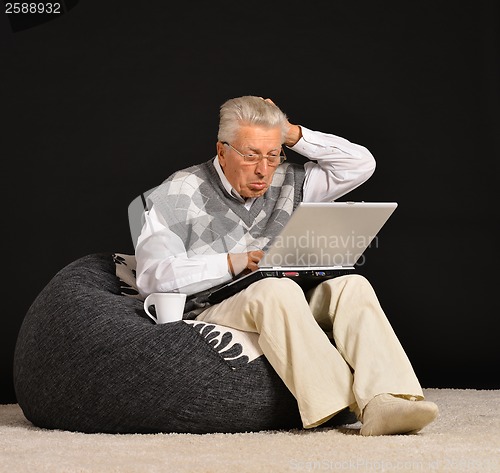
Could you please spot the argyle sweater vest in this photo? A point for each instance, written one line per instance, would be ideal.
(198, 209)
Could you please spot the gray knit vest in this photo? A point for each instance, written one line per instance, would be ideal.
(197, 208)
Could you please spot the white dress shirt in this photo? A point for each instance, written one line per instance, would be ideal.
(336, 167)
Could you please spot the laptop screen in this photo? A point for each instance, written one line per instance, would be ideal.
(327, 234)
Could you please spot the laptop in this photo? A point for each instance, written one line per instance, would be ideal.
(320, 241)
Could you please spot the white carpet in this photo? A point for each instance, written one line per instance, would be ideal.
(465, 438)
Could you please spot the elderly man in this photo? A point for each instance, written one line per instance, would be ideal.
(211, 222)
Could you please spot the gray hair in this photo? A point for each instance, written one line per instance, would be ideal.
(249, 110)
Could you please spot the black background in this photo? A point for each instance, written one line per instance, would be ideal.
(106, 101)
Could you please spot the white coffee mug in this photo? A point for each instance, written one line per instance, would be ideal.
(169, 306)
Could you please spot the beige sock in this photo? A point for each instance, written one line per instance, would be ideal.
(386, 414)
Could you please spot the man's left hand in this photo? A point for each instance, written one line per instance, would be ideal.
(294, 133)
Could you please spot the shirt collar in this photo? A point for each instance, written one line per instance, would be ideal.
(229, 188)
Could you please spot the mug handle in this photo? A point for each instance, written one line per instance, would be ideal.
(149, 301)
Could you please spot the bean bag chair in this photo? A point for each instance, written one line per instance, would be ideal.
(88, 359)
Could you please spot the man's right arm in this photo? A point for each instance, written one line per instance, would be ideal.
(163, 264)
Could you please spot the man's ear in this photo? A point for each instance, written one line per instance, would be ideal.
(221, 149)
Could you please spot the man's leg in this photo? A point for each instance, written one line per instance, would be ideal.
(349, 307)
(292, 341)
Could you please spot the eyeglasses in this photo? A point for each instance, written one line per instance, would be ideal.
(272, 159)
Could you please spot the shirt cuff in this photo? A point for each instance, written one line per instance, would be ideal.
(307, 144)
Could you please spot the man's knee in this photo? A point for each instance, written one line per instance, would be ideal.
(351, 285)
(358, 280)
(278, 288)
(351, 280)
(277, 302)
(275, 295)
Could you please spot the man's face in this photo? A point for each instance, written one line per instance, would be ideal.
(250, 180)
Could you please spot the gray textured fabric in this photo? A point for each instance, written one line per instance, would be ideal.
(88, 359)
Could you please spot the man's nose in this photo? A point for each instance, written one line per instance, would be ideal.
(262, 167)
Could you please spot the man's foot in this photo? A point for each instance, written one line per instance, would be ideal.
(386, 414)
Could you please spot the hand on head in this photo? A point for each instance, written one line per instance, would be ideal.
(294, 131)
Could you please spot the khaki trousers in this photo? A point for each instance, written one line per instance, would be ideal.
(294, 334)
